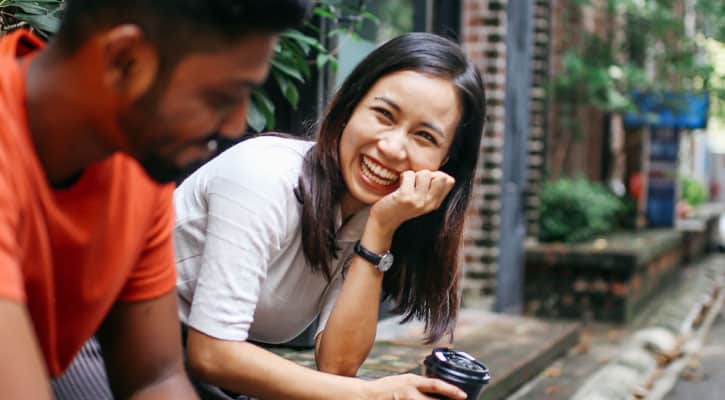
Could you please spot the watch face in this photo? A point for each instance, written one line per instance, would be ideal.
(386, 262)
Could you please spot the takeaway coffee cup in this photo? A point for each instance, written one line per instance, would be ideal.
(459, 369)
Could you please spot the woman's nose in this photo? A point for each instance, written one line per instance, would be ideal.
(393, 145)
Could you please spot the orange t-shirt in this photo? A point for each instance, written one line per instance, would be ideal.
(70, 254)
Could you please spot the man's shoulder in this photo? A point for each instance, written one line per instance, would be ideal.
(17, 160)
(10, 106)
(14, 141)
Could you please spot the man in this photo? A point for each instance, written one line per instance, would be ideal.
(124, 98)
(126, 95)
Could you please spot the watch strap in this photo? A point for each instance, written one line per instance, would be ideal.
(366, 254)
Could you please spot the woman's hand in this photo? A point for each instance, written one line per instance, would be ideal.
(419, 193)
(410, 387)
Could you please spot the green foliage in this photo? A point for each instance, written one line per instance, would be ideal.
(692, 191)
(711, 15)
(591, 76)
(40, 15)
(575, 210)
(297, 53)
(657, 54)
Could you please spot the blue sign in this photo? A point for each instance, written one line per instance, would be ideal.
(662, 176)
(669, 109)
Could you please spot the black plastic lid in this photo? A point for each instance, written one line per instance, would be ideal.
(457, 364)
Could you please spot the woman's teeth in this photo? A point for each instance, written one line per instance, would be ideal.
(376, 173)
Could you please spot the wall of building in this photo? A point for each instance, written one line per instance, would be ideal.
(484, 25)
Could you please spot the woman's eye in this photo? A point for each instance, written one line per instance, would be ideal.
(427, 136)
(387, 115)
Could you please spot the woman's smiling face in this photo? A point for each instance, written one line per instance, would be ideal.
(406, 121)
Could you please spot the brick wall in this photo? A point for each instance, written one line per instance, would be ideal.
(539, 118)
(484, 24)
(483, 32)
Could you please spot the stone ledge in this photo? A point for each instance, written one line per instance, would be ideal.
(513, 348)
(700, 230)
(617, 251)
(700, 217)
(606, 279)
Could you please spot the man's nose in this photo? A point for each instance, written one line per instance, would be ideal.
(235, 123)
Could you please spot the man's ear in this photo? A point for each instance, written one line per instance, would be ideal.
(131, 62)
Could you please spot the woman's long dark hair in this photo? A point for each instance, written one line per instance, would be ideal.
(423, 282)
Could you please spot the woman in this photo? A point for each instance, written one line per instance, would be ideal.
(276, 232)
(267, 232)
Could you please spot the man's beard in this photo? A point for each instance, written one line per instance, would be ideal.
(161, 170)
(159, 163)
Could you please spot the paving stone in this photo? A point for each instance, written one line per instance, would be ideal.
(637, 358)
(613, 382)
(658, 340)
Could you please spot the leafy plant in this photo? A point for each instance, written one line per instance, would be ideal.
(692, 191)
(296, 55)
(299, 51)
(711, 16)
(575, 210)
(40, 15)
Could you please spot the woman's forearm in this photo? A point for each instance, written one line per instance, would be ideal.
(244, 368)
(350, 331)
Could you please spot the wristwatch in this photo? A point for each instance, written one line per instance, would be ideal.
(382, 262)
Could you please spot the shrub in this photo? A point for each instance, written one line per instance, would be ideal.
(692, 191)
(575, 210)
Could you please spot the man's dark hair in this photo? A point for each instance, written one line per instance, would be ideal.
(180, 26)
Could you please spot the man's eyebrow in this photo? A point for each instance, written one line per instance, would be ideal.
(427, 124)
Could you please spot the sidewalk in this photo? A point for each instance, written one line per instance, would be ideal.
(554, 360)
(644, 359)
